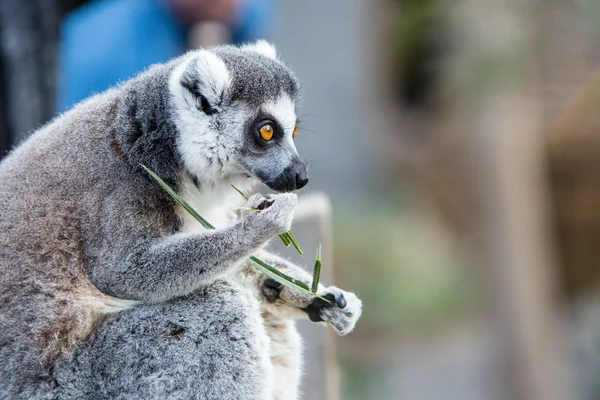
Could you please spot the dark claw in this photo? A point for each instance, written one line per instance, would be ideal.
(314, 315)
(315, 307)
(338, 301)
(265, 204)
(341, 301)
(271, 289)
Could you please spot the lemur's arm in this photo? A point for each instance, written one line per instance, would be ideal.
(341, 313)
(166, 267)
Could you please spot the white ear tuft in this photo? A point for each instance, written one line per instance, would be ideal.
(207, 78)
(263, 47)
(214, 76)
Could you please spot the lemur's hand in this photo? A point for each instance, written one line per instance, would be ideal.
(341, 313)
(276, 213)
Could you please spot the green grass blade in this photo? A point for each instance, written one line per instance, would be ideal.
(278, 275)
(295, 242)
(285, 239)
(179, 200)
(282, 278)
(317, 271)
(240, 192)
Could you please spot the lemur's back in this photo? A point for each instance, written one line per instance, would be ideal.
(64, 195)
(47, 189)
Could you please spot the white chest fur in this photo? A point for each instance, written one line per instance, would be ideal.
(215, 202)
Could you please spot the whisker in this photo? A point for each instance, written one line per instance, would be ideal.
(305, 189)
(307, 116)
(302, 128)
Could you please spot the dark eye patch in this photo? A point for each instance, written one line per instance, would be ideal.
(253, 129)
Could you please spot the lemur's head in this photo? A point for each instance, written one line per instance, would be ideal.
(235, 109)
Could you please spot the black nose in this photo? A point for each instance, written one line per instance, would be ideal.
(292, 178)
(301, 178)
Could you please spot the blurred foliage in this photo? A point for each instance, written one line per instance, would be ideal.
(415, 32)
(591, 11)
(403, 266)
(363, 380)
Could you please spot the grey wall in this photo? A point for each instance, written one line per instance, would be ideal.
(328, 44)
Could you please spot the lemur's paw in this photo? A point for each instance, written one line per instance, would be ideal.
(277, 212)
(271, 290)
(341, 313)
(259, 201)
(279, 295)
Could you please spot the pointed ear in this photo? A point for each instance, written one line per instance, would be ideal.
(206, 77)
(262, 47)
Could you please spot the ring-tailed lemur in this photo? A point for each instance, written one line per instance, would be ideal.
(108, 289)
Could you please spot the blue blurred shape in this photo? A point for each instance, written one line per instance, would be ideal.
(108, 41)
(254, 21)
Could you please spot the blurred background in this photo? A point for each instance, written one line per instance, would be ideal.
(458, 140)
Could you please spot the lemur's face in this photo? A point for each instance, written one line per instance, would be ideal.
(236, 115)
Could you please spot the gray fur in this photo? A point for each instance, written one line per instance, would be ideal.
(252, 87)
(106, 289)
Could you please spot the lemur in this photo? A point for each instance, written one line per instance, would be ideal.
(109, 289)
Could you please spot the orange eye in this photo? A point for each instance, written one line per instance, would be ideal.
(295, 131)
(266, 132)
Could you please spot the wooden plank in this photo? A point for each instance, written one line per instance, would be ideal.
(500, 116)
(312, 225)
